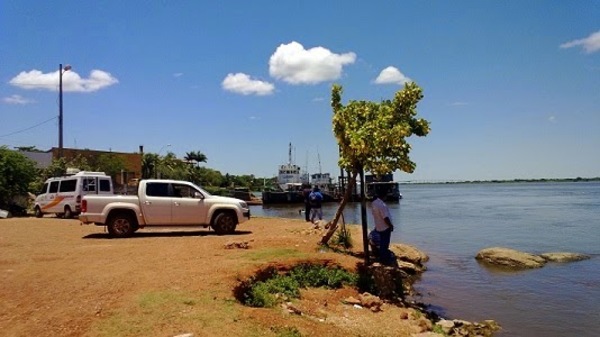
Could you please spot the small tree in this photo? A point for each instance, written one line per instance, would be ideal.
(372, 136)
(110, 164)
(16, 173)
(149, 165)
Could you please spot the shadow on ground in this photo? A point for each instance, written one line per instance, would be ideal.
(170, 234)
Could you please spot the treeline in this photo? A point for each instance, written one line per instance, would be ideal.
(19, 174)
(495, 181)
(189, 168)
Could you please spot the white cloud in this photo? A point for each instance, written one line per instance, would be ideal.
(17, 99)
(35, 79)
(296, 65)
(459, 103)
(391, 75)
(177, 74)
(590, 44)
(552, 119)
(242, 84)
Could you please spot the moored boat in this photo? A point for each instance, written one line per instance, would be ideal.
(244, 193)
(383, 183)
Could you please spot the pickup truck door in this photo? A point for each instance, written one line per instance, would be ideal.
(188, 206)
(156, 204)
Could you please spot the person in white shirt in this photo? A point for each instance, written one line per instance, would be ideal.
(383, 226)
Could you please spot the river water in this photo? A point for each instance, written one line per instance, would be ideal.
(452, 222)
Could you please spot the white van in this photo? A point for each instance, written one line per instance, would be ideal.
(62, 195)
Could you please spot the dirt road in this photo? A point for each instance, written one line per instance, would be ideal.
(59, 278)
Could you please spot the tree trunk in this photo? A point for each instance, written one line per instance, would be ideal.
(332, 225)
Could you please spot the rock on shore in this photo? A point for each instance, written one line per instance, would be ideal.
(515, 259)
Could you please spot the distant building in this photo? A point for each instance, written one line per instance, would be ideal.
(133, 161)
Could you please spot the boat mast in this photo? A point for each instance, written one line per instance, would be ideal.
(319, 158)
(290, 154)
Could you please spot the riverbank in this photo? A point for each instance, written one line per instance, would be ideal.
(62, 279)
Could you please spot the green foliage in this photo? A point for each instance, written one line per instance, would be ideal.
(109, 163)
(310, 275)
(268, 293)
(438, 330)
(149, 165)
(207, 177)
(372, 136)
(263, 294)
(170, 167)
(28, 149)
(196, 157)
(16, 173)
(343, 238)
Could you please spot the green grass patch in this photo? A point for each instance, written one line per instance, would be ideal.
(274, 254)
(276, 287)
(166, 310)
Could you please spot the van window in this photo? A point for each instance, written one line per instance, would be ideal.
(104, 185)
(44, 188)
(53, 187)
(68, 185)
(157, 189)
(89, 184)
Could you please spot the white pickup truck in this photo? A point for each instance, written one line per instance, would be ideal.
(162, 203)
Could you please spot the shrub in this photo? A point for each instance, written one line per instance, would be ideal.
(343, 238)
(268, 293)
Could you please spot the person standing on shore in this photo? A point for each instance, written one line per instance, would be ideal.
(315, 198)
(306, 193)
(383, 226)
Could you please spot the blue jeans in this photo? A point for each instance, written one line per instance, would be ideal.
(384, 246)
(316, 212)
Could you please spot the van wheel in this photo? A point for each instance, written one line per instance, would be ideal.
(224, 223)
(68, 212)
(121, 226)
(38, 212)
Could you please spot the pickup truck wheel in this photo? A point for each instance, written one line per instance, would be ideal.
(224, 223)
(38, 212)
(121, 226)
(68, 213)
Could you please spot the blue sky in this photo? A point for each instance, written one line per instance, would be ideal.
(512, 88)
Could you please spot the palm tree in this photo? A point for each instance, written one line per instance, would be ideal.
(149, 165)
(196, 157)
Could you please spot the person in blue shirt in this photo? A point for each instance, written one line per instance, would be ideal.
(315, 198)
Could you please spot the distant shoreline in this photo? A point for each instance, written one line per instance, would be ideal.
(540, 180)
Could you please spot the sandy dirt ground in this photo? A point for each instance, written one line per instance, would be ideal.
(61, 278)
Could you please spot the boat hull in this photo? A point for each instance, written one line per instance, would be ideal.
(290, 197)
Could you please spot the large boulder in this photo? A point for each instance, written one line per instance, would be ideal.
(562, 257)
(510, 258)
(409, 253)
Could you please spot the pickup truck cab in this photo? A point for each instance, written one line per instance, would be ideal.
(164, 203)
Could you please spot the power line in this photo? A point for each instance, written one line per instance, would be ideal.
(29, 128)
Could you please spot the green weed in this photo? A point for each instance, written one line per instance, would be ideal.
(279, 286)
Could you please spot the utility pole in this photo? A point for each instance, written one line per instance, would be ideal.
(61, 70)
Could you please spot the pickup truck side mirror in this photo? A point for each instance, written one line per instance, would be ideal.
(198, 195)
